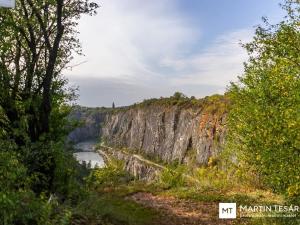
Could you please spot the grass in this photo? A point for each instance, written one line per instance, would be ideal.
(111, 204)
(109, 201)
(214, 185)
(209, 194)
(114, 209)
(106, 201)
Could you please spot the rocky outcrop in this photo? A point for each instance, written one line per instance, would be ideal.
(139, 167)
(90, 123)
(186, 134)
(171, 134)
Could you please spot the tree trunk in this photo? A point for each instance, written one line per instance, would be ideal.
(46, 102)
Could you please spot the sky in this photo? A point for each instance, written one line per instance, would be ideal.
(140, 49)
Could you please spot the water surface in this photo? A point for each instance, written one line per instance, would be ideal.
(86, 154)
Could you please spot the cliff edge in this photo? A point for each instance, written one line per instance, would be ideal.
(175, 129)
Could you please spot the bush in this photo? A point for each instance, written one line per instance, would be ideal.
(173, 178)
(264, 122)
(108, 176)
(294, 192)
(213, 175)
(13, 174)
(18, 204)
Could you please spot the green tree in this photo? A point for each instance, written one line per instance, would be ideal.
(37, 41)
(178, 95)
(264, 122)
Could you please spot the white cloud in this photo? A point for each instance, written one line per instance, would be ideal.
(127, 39)
(219, 64)
(150, 46)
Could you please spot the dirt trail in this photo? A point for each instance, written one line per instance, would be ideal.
(142, 159)
(174, 211)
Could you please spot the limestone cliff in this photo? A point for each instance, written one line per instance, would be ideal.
(90, 122)
(179, 132)
(137, 166)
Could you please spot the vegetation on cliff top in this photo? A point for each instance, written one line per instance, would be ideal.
(214, 104)
(210, 104)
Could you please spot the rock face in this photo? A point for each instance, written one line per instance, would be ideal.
(168, 133)
(91, 120)
(136, 166)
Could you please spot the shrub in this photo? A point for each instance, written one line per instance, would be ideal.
(294, 192)
(173, 178)
(18, 204)
(110, 175)
(213, 175)
(264, 122)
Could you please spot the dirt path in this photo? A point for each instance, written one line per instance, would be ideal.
(174, 211)
(142, 159)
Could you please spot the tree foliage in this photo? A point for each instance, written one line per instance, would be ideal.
(264, 122)
(37, 41)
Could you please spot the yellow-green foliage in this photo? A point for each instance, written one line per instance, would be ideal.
(216, 104)
(172, 178)
(111, 208)
(110, 175)
(210, 104)
(213, 176)
(264, 123)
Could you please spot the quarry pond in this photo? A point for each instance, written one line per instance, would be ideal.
(85, 154)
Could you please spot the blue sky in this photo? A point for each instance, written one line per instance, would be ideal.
(216, 17)
(137, 49)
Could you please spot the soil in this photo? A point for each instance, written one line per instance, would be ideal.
(174, 211)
